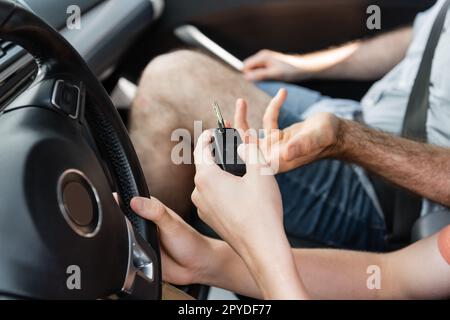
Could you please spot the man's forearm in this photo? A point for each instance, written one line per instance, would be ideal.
(363, 60)
(418, 167)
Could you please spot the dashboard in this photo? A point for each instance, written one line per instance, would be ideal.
(107, 29)
(54, 12)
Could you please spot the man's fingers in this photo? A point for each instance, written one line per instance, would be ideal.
(297, 146)
(253, 158)
(250, 137)
(240, 115)
(270, 119)
(258, 60)
(259, 74)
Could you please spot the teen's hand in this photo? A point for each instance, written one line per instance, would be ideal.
(187, 256)
(237, 208)
(247, 213)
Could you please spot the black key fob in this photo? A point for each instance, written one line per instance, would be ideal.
(224, 149)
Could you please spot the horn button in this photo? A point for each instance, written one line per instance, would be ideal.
(79, 203)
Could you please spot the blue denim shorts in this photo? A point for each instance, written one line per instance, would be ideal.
(325, 201)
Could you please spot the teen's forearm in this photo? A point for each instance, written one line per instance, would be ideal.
(326, 274)
(362, 60)
(403, 274)
(274, 276)
(273, 268)
(418, 167)
(227, 270)
(340, 274)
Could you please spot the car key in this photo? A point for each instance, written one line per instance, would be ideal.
(225, 142)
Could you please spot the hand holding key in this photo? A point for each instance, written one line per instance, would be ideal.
(227, 202)
(246, 212)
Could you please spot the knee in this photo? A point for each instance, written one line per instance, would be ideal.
(175, 65)
(166, 74)
(164, 82)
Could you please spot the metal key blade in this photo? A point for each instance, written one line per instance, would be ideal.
(220, 121)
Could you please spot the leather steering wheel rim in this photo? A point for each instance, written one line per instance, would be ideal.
(54, 55)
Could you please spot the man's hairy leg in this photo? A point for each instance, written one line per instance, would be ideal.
(175, 90)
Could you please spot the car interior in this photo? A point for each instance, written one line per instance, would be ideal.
(119, 38)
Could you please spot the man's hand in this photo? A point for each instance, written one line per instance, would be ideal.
(187, 256)
(297, 145)
(344, 62)
(271, 65)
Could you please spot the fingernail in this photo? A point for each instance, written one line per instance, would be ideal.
(139, 203)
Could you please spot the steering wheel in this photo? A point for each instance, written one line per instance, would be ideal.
(63, 151)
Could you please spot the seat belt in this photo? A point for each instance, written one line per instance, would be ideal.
(408, 206)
